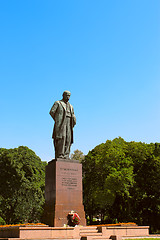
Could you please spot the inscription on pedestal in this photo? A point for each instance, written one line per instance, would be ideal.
(71, 182)
(69, 177)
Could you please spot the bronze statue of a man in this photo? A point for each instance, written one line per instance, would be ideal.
(63, 114)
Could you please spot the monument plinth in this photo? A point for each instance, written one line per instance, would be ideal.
(63, 192)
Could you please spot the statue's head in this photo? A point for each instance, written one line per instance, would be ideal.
(66, 96)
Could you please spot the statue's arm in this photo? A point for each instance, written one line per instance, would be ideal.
(73, 118)
(54, 109)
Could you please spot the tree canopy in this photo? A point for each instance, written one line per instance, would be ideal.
(122, 182)
(77, 155)
(22, 181)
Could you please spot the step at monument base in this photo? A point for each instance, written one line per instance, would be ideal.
(86, 234)
(76, 233)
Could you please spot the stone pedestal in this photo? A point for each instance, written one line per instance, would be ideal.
(63, 192)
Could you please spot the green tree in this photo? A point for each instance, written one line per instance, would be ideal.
(146, 189)
(108, 172)
(22, 185)
(77, 155)
(122, 182)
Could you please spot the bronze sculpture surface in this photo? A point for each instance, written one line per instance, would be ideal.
(63, 114)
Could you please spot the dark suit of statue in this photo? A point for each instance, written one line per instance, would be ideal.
(63, 114)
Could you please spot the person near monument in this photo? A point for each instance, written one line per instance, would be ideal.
(63, 114)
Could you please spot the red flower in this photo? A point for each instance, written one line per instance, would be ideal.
(76, 218)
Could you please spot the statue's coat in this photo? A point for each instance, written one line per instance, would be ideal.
(58, 113)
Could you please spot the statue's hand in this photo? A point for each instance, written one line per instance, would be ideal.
(73, 120)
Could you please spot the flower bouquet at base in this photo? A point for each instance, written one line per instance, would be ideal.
(73, 219)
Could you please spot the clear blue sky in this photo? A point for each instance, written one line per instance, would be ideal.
(107, 53)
